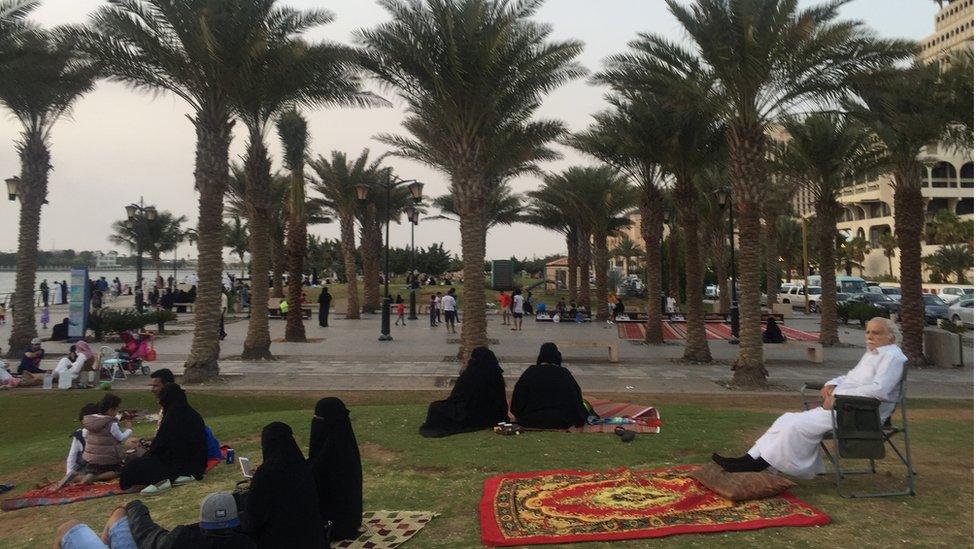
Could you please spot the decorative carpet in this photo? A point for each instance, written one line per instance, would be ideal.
(646, 418)
(550, 507)
(69, 494)
(387, 529)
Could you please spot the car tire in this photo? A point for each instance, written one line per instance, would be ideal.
(956, 320)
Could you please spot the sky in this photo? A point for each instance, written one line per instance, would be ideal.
(121, 145)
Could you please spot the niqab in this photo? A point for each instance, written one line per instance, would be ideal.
(333, 456)
(477, 400)
(547, 396)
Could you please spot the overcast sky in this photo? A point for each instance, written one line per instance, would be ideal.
(120, 145)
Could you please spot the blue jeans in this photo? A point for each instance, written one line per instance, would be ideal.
(81, 536)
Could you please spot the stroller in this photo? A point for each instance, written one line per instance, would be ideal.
(130, 358)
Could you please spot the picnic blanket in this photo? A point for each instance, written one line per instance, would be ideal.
(387, 529)
(68, 494)
(550, 507)
(676, 330)
(647, 418)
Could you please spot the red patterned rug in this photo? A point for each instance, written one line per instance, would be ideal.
(550, 507)
(69, 494)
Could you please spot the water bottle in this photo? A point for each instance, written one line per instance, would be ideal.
(48, 381)
(230, 456)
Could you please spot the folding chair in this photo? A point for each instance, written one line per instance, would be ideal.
(859, 433)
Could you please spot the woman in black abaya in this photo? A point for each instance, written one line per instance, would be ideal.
(547, 396)
(333, 456)
(281, 508)
(476, 402)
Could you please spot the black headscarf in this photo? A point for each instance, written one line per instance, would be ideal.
(282, 507)
(477, 400)
(333, 456)
(180, 443)
(547, 396)
(773, 334)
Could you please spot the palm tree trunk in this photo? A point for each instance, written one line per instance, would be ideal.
(772, 261)
(696, 345)
(827, 213)
(720, 256)
(601, 264)
(348, 235)
(909, 224)
(297, 245)
(652, 230)
(35, 165)
(370, 247)
(210, 175)
(257, 181)
(279, 259)
(583, 245)
(474, 329)
(572, 263)
(674, 282)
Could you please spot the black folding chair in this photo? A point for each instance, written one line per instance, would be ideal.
(859, 433)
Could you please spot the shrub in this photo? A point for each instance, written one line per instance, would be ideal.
(951, 326)
(861, 312)
(120, 320)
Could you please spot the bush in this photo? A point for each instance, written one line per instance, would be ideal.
(951, 326)
(861, 312)
(121, 320)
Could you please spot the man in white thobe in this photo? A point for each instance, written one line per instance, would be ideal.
(71, 364)
(792, 444)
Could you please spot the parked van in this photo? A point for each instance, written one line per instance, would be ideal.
(845, 284)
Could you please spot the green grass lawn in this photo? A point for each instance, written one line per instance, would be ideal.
(406, 472)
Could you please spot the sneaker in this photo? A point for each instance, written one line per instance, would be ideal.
(157, 488)
(180, 481)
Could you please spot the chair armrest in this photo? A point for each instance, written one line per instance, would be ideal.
(812, 386)
(858, 402)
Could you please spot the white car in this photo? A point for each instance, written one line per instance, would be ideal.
(951, 294)
(893, 293)
(796, 296)
(962, 312)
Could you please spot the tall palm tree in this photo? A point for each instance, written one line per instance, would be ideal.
(198, 50)
(550, 209)
(626, 249)
(954, 259)
(502, 206)
(777, 223)
(153, 236)
(827, 152)
(40, 87)
(888, 244)
(767, 56)
(237, 238)
(902, 107)
(472, 74)
(14, 27)
(712, 182)
(558, 193)
(293, 132)
(336, 181)
(624, 138)
(372, 217)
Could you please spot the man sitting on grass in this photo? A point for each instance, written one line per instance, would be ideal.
(792, 444)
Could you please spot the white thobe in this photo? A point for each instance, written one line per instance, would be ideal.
(73, 368)
(792, 444)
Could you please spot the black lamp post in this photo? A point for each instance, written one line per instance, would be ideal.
(362, 192)
(139, 214)
(413, 217)
(725, 200)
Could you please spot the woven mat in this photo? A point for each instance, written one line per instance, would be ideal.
(387, 529)
(69, 494)
(550, 507)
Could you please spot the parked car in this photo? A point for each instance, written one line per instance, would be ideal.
(886, 305)
(711, 291)
(893, 293)
(935, 309)
(962, 312)
(797, 296)
(951, 294)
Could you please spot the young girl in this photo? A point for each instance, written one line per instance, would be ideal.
(103, 449)
(76, 462)
(45, 317)
(400, 309)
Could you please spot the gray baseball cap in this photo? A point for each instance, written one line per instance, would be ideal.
(218, 511)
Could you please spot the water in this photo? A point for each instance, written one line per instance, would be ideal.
(127, 276)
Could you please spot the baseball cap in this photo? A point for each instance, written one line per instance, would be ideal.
(218, 511)
(36, 341)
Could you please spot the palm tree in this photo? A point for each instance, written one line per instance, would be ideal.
(902, 107)
(503, 207)
(198, 50)
(42, 83)
(767, 57)
(472, 74)
(293, 132)
(336, 182)
(371, 214)
(957, 93)
(954, 259)
(626, 249)
(153, 236)
(826, 153)
(237, 238)
(852, 253)
(14, 27)
(888, 244)
(550, 209)
(947, 228)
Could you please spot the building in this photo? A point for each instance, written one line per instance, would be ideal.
(106, 261)
(953, 30)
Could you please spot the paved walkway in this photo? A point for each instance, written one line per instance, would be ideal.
(347, 356)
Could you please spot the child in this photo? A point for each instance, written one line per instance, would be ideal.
(76, 462)
(103, 448)
(401, 310)
(45, 317)
(3, 313)
(433, 312)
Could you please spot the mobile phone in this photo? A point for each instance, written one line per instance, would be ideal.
(246, 467)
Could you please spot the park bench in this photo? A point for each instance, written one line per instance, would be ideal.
(611, 347)
(274, 308)
(187, 306)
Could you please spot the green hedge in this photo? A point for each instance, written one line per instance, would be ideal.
(861, 312)
(120, 320)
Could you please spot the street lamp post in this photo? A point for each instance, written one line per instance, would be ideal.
(139, 214)
(362, 192)
(725, 200)
(413, 217)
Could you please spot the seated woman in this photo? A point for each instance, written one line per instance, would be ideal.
(333, 456)
(178, 453)
(792, 444)
(477, 400)
(773, 334)
(281, 508)
(547, 396)
(59, 332)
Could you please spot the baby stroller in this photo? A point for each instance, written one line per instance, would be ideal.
(130, 358)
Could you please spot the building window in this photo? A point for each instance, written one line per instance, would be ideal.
(943, 175)
(964, 206)
(966, 175)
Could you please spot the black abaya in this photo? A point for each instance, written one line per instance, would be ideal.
(333, 456)
(547, 396)
(476, 402)
(282, 506)
(325, 301)
(773, 334)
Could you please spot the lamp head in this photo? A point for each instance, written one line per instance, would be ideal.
(13, 187)
(130, 211)
(724, 197)
(362, 191)
(416, 191)
(151, 213)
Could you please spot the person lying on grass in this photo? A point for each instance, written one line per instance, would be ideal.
(104, 441)
(792, 444)
(547, 395)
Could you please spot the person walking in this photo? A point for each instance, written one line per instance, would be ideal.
(504, 302)
(325, 301)
(438, 307)
(400, 311)
(449, 304)
(518, 310)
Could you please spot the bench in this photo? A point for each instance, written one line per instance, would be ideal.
(813, 349)
(274, 309)
(611, 347)
(187, 306)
